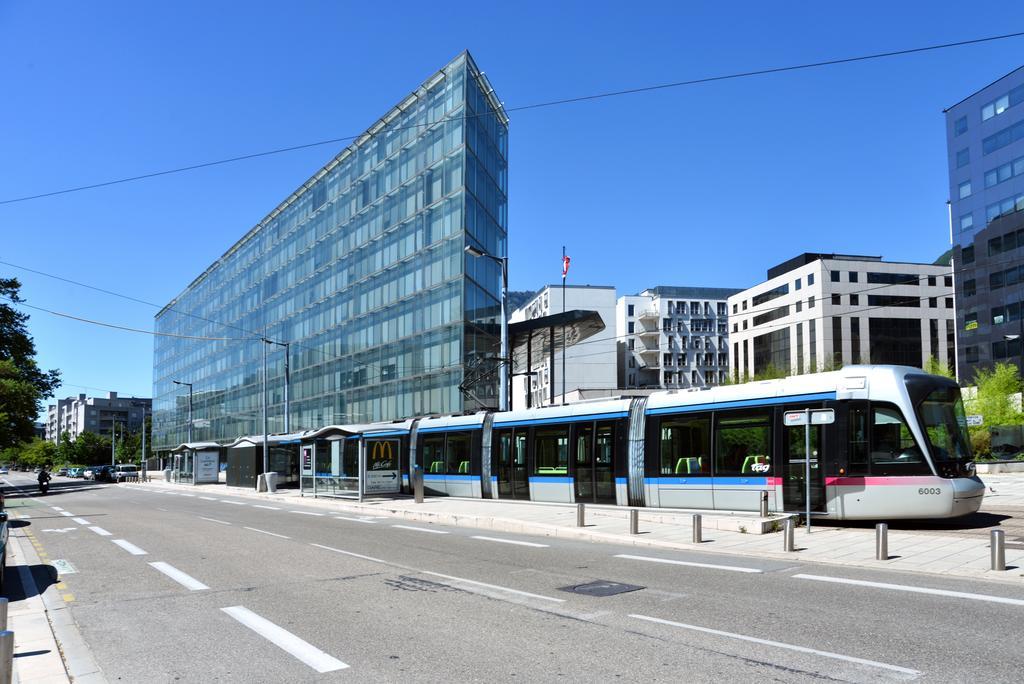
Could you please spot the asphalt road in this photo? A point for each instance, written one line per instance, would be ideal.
(272, 594)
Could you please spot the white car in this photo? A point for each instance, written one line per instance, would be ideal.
(4, 471)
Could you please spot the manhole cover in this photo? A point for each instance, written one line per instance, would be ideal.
(601, 588)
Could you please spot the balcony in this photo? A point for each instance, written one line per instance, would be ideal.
(648, 315)
(650, 357)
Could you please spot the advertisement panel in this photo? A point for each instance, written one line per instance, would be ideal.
(207, 464)
(382, 467)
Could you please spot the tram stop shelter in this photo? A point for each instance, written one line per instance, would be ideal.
(539, 337)
(196, 462)
(352, 461)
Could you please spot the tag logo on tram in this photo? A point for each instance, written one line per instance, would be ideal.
(761, 467)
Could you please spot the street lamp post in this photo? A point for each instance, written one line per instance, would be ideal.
(503, 364)
(189, 385)
(287, 407)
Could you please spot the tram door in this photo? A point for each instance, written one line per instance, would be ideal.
(595, 475)
(513, 478)
(794, 484)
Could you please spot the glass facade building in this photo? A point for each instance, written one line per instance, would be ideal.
(985, 150)
(362, 271)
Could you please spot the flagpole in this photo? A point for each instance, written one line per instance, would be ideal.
(565, 272)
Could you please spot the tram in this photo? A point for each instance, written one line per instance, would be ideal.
(898, 448)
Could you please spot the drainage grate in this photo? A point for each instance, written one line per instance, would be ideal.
(601, 588)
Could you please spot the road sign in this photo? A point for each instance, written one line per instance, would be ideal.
(818, 417)
(976, 420)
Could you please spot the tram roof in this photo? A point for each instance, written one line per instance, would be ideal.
(857, 378)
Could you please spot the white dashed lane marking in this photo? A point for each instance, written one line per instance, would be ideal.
(129, 547)
(100, 531)
(286, 641)
(711, 566)
(214, 520)
(187, 581)
(778, 644)
(420, 529)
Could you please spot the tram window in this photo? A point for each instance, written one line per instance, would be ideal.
(893, 448)
(605, 444)
(433, 454)
(685, 446)
(860, 449)
(584, 438)
(743, 442)
(458, 453)
(551, 451)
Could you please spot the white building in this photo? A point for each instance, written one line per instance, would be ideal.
(671, 337)
(76, 415)
(820, 311)
(589, 364)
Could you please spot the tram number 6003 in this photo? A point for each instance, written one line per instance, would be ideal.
(929, 490)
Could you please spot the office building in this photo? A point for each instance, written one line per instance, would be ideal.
(98, 415)
(822, 311)
(361, 271)
(985, 147)
(589, 365)
(673, 337)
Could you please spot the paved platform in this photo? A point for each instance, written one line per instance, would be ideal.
(942, 554)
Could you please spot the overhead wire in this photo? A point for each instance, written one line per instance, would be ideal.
(528, 107)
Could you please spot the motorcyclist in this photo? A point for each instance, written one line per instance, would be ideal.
(44, 480)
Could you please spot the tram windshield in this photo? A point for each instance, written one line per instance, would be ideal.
(945, 425)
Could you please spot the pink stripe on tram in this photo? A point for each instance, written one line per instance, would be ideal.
(883, 481)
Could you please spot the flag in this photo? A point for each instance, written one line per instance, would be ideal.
(565, 266)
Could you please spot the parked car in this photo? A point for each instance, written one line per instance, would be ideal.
(89, 473)
(4, 471)
(74, 472)
(63, 472)
(104, 474)
(125, 471)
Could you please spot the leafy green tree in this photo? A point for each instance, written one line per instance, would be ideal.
(92, 449)
(936, 367)
(23, 386)
(995, 389)
(129, 444)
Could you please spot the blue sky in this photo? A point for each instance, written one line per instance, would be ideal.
(706, 185)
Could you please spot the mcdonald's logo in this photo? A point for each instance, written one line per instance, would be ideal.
(382, 456)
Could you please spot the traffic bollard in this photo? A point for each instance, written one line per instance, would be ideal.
(882, 541)
(417, 484)
(764, 504)
(634, 521)
(698, 534)
(3, 614)
(6, 656)
(581, 515)
(998, 544)
(788, 530)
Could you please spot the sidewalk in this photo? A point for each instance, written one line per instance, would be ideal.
(48, 648)
(938, 554)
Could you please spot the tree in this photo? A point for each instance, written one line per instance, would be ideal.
(128, 446)
(936, 367)
(23, 386)
(91, 449)
(995, 389)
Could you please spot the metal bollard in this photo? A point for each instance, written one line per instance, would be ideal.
(698, 533)
(882, 541)
(764, 504)
(581, 515)
(6, 656)
(788, 530)
(417, 483)
(3, 614)
(634, 521)
(998, 544)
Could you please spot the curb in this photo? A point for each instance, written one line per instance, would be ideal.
(76, 659)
